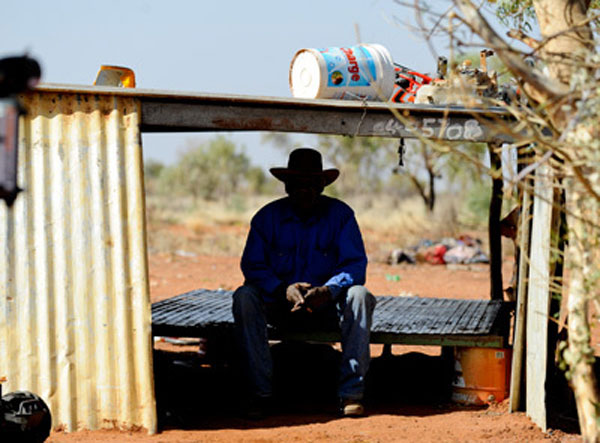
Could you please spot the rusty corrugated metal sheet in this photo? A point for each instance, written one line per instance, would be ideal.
(74, 302)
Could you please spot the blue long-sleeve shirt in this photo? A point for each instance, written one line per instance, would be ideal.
(326, 249)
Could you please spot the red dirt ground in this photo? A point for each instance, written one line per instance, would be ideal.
(172, 274)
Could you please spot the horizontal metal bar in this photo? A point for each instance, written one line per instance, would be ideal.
(379, 121)
(170, 111)
(223, 332)
(482, 341)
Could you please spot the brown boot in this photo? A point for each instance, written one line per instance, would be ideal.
(351, 408)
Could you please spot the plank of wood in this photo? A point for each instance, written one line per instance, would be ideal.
(454, 318)
(538, 297)
(516, 375)
(477, 317)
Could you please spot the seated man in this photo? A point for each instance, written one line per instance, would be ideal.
(304, 263)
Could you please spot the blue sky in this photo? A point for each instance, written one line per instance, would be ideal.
(204, 46)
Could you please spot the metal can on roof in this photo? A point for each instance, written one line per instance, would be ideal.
(364, 71)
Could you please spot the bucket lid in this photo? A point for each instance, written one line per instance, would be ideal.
(305, 75)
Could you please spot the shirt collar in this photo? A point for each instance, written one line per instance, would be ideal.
(288, 214)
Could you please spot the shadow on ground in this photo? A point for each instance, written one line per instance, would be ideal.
(193, 394)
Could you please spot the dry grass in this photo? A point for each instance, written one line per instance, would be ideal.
(388, 223)
(183, 226)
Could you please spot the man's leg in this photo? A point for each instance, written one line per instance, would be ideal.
(356, 313)
(249, 314)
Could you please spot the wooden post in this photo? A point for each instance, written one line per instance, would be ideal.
(524, 237)
(525, 155)
(538, 296)
(495, 240)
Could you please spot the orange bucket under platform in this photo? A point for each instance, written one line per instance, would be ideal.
(481, 375)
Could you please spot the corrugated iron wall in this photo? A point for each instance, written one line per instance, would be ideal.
(75, 317)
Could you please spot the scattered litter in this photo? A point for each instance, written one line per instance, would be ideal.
(368, 72)
(465, 254)
(390, 277)
(461, 250)
(435, 254)
(398, 256)
(464, 85)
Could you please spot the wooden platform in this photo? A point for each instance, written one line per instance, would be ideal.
(396, 320)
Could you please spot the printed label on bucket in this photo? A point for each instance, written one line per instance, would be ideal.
(353, 66)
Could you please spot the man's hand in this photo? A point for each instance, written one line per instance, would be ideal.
(315, 298)
(294, 294)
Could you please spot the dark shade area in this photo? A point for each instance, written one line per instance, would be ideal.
(195, 394)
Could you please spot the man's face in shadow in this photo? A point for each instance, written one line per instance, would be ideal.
(304, 192)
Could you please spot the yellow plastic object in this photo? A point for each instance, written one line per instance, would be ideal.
(481, 375)
(109, 75)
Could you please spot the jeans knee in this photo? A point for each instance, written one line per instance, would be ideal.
(360, 296)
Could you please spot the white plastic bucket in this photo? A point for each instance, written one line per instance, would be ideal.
(364, 71)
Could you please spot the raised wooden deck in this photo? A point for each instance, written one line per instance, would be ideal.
(396, 320)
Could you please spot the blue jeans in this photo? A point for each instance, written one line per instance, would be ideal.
(353, 313)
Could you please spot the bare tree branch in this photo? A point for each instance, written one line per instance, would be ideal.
(477, 23)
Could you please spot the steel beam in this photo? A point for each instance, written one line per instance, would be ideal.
(322, 117)
(169, 111)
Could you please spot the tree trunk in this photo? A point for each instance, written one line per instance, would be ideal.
(580, 356)
(562, 20)
(567, 37)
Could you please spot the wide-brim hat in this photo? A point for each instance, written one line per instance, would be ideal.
(305, 162)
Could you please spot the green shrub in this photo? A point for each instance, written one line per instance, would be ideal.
(211, 171)
(477, 204)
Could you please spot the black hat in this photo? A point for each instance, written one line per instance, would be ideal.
(305, 162)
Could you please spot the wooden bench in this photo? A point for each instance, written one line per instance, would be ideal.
(396, 320)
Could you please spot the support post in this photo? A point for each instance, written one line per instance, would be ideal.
(538, 296)
(525, 156)
(495, 240)
(524, 231)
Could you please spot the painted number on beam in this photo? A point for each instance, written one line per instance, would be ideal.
(434, 128)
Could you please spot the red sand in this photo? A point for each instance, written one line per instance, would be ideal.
(171, 275)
